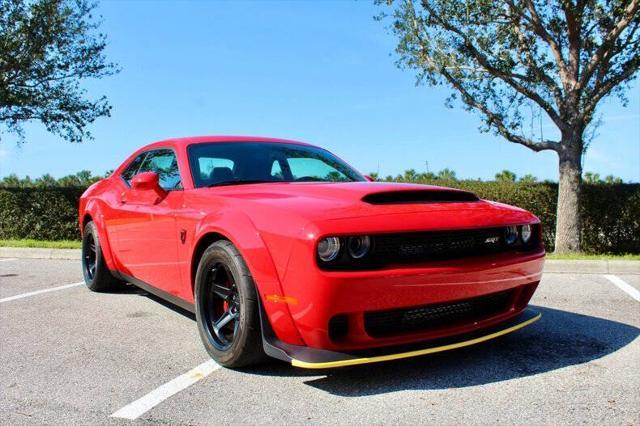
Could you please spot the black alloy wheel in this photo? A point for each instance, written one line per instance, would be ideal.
(227, 307)
(90, 256)
(97, 275)
(222, 315)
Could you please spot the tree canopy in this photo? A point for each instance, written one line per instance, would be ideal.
(561, 56)
(506, 176)
(514, 61)
(47, 48)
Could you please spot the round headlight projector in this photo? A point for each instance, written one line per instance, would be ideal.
(512, 235)
(359, 246)
(525, 232)
(328, 248)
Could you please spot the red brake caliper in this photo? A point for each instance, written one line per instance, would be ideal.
(225, 304)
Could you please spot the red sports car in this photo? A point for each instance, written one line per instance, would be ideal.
(282, 249)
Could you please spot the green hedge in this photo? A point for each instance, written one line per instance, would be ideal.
(610, 212)
(39, 213)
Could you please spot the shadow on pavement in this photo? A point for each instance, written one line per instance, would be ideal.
(129, 288)
(560, 339)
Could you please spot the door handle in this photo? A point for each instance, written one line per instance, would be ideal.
(123, 198)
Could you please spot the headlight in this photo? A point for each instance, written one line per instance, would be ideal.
(512, 235)
(359, 246)
(525, 232)
(328, 248)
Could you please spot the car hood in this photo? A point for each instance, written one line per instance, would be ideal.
(320, 201)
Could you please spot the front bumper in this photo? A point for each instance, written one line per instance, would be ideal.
(306, 357)
(320, 296)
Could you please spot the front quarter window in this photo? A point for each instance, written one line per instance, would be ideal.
(163, 162)
(132, 169)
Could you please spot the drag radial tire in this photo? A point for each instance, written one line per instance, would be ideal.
(227, 307)
(97, 276)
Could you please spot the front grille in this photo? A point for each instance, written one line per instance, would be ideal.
(441, 245)
(425, 318)
(419, 247)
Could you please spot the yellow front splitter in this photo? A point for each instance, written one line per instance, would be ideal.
(526, 318)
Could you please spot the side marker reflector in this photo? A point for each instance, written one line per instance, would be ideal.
(282, 299)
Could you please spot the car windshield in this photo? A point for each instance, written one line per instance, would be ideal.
(234, 163)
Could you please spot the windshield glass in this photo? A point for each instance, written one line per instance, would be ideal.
(228, 163)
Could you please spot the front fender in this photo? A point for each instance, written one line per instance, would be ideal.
(92, 207)
(238, 228)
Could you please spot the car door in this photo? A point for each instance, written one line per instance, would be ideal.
(147, 237)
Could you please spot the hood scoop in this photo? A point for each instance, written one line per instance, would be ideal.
(420, 197)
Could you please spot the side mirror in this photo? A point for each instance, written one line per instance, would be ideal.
(369, 178)
(146, 181)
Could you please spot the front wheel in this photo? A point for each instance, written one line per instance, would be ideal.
(227, 307)
(96, 274)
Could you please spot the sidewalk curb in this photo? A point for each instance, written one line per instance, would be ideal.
(550, 266)
(592, 266)
(40, 253)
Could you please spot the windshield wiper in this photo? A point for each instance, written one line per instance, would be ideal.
(237, 182)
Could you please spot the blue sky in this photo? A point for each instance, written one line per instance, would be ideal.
(322, 72)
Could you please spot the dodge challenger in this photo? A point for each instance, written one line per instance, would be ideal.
(282, 249)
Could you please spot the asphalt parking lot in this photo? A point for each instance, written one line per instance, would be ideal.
(69, 356)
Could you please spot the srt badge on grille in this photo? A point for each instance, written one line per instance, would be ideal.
(492, 240)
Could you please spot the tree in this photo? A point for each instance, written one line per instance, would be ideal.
(506, 176)
(47, 47)
(528, 178)
(447, 174)
(374, 176)
(611, 180)
(558, 57)
(590, 177)
(410, 175)
(82, 179)
(45, 181)
(427, 176)
(11, 181)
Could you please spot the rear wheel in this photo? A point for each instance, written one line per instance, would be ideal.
(97, 276)
(227, 307)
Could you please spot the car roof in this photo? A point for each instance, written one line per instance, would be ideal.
(183, 141)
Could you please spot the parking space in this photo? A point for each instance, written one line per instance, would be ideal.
(632, 280)
(19, 276)
(72, 356)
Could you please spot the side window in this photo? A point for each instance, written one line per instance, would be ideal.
(314, 169)
(133, 168)
(165, 164)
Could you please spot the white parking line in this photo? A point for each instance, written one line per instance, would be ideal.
(34, 293)
(156, 396)
(624, 286)
(7, 259)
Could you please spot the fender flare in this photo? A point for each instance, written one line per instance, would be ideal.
(94, 211)
(238, 228)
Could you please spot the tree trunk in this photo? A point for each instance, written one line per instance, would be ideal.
(568, 214)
